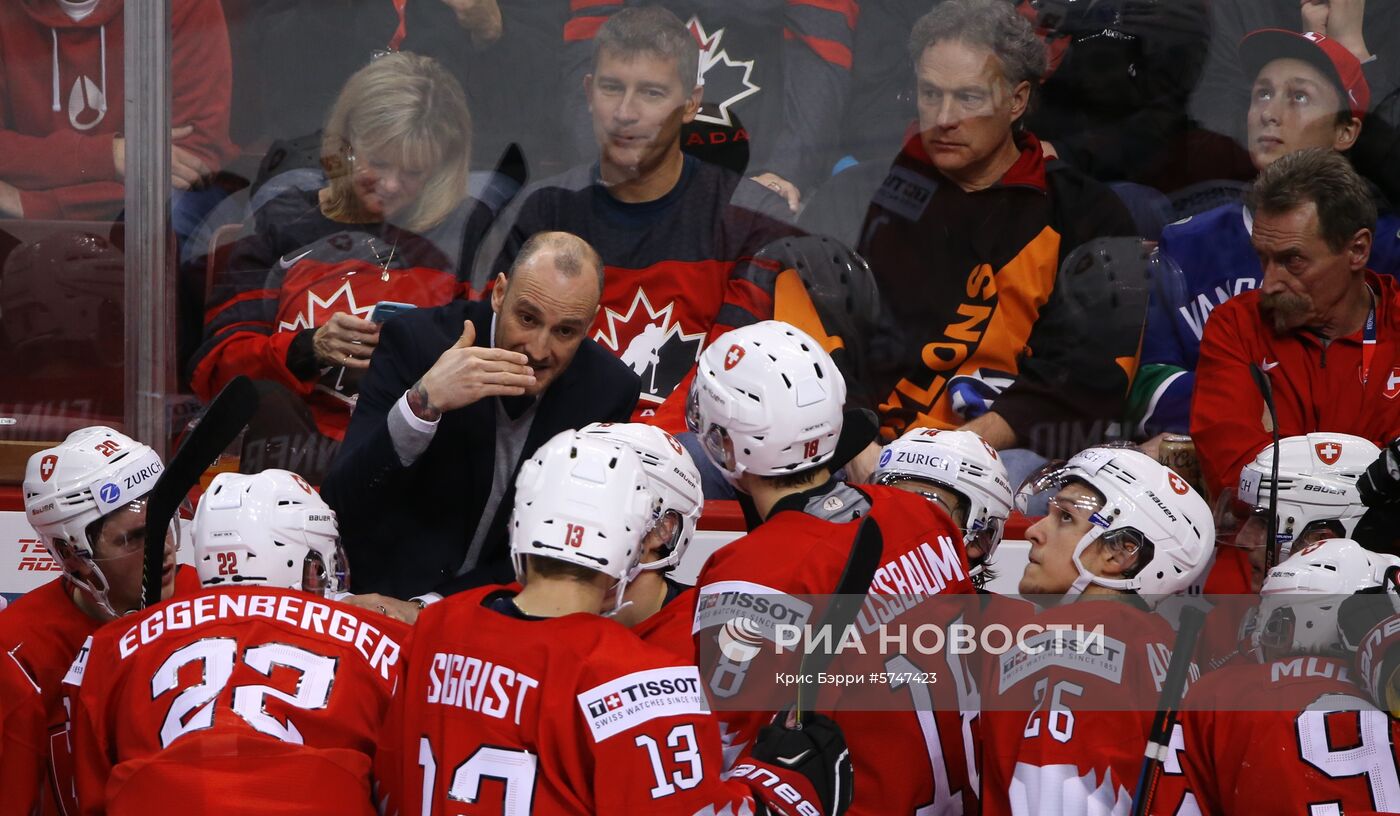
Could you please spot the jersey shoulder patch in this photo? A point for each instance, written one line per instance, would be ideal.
(633, 699)
(74, 677)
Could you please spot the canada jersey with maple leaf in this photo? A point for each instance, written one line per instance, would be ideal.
(296, 270)
(679, 271)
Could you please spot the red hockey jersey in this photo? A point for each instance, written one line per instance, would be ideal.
(42, 633)
(200, 695)
(1065, 722)
(21, 739)
(299, 268)
(569, 715)
(796, 554)
(1323, 747)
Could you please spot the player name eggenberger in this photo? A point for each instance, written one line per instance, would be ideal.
(379, 649)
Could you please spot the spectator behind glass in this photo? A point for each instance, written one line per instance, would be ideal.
(1308, 92)
(1369, 30)
(677, 235)
(775, 78)
(62, 155)
(966, 238)
(294, 305)
(292, 59)
(1306, 324)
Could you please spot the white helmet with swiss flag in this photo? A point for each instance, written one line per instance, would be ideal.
(1317, 491)
(767, 399)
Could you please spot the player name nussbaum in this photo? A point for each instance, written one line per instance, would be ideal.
(929, 638)
(379, 649)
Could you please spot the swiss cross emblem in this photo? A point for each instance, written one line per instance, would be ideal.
(1392, 384)
(732, 357)
(1178, 484)
(613, 701)
(1311, 547)
(1328, 452)
(675, 444)
(46, 466)
(301, 483)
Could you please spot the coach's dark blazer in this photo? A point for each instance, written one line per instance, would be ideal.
(407, 529)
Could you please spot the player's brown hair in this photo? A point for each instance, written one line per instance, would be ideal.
(1325, 178)
(546, 567)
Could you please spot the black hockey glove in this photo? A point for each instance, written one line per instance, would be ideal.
(817, 751)
(1380, 484)
(1369, 623)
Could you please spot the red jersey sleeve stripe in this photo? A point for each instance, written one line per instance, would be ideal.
(829, 50)
(582, 29)
(846, 8)
(242, 297)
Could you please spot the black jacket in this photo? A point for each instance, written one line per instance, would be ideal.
(407, 529)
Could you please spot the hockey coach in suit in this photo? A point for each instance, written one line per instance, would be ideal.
(455, 398)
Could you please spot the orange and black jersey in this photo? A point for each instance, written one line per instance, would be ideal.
(975, 320)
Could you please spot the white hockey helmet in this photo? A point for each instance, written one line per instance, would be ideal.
(673, 476)
(1317, 490)
(270, 529)
(92, 475)
(1147, 508)
(767, 400)
(584, 500)
(962, 462)
(1301, 597)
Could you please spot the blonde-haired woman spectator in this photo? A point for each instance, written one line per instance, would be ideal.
(297, 303)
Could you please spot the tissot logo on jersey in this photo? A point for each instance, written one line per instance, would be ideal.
(640, 697)
(1091, 652)
(724, 600)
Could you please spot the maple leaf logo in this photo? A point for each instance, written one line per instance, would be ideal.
(727, 80)
(306, 319)
(651, 343)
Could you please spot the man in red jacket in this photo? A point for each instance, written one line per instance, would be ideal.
(1323, 328)
(62, 155)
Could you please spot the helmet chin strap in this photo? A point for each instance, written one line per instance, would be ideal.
(99, 598)
(1087, 578)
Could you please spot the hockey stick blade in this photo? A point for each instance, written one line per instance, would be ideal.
(225, 418)
(1173, 688)
(850, 592)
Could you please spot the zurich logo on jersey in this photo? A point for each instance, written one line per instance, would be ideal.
(885, 457)
(109, 493)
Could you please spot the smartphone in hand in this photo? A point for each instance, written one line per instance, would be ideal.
(385, 309)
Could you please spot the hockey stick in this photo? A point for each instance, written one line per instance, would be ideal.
(846, 601)
(1266, 390)
(221, 423)
(1173, 688)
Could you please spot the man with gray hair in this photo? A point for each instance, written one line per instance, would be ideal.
(966, 237)
(456, 398)
(1322, 327)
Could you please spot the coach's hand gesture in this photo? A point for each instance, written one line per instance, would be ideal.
(467, 373)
